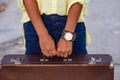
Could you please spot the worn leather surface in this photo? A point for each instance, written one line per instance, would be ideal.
(31, 68)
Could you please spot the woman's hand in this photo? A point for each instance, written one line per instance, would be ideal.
(46, 42)
(47, 45)
(64, 48)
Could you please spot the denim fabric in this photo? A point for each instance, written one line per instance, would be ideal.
(55, 25)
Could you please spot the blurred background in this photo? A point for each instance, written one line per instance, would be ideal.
(102, 20)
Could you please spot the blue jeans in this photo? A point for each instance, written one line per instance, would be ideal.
(55, 25)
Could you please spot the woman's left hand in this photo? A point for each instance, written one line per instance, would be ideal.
(64, 48)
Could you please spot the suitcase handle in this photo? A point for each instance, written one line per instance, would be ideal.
(44, 59)
(67, 59)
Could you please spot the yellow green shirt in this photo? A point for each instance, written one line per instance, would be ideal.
(60, 7)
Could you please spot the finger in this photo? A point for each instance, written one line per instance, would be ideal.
(66, 54)
(54, 52)
(49, 53)
(46, 53)
(70, 52)
(49, 50)
(43, 51)
(59, 53)
(63, 53)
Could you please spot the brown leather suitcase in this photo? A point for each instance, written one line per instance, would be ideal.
(76, 67)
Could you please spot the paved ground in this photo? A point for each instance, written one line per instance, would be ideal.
(104, 25)
(102, 21)
(10, 25)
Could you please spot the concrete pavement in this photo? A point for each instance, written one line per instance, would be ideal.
(103, 21)
(10, 25)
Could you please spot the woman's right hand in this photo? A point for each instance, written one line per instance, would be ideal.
(47, 45)
(46, 42)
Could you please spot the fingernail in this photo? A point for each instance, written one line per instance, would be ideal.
(65, 56)
(47, 55)
(54, 51)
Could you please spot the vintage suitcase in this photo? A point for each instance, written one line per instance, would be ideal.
(38, 67)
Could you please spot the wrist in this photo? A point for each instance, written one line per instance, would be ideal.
(42, 33)
(69, 29)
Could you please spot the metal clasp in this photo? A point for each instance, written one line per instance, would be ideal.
(94, 60)
(17, 61)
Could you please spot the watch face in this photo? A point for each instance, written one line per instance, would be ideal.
(68, 36)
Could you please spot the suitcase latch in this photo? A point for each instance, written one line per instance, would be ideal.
(17, 61)
(94, 60)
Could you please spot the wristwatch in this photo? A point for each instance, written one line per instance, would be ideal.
(68, 36)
